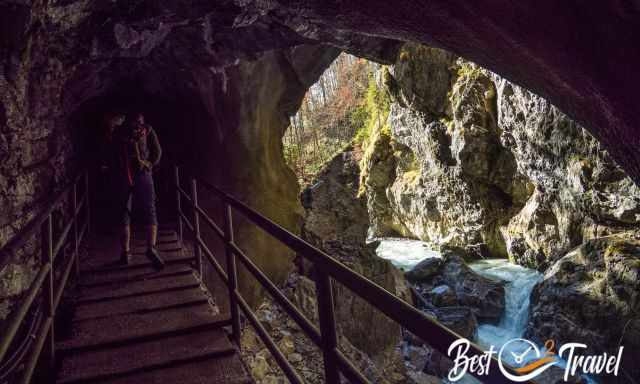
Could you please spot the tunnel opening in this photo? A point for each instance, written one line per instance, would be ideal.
(460, 158)
(174, 116)
(435, 164)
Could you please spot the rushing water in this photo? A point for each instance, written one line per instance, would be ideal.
(404, 253)
(518, 285)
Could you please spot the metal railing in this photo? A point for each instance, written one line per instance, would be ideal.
(44, 283)
(326, 270)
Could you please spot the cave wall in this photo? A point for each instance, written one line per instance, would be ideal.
(466, 158)
(56, 55)
(244, 155)
(64, 61)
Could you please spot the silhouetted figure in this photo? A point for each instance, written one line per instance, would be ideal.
(139, 152)
(108, 165)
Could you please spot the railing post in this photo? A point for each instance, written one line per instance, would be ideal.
(327, 326)
(232, 272)
(47, 290)
(196, 225)
(87, 202)
(178, 203)
(74, 198)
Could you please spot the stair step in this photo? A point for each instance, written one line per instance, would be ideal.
(227, 370)
(162, 234)
(130, 328)
(139, 287)
(140, 261)
(123, 275)
(166, 352)
(139, 304)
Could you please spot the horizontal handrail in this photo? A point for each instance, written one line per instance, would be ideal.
(51, 291)
(282, 361)
(304, 323)
(409, 317)
(213, 260)
(19, 314)
(18, 241)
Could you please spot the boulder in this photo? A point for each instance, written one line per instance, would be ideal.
(424, 270)
(450, 283)
(483, 295)
(461, 320)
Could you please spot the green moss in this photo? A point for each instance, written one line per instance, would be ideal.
(469, 71)
(374, 137)
(373, 113)
(448, 122)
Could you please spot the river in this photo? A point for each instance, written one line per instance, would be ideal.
(518, 284)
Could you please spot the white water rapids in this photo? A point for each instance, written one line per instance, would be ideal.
(518, 284)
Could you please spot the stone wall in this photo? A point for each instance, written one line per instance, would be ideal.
(473, 160)
(62, 60)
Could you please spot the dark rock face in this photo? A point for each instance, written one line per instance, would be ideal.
(65, 64)
(336, 221)
(591, 295)
(56, 56)
(424, 270)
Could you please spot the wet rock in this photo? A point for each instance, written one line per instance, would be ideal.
(592, 295)
(484, 296)
(424, 270)
(461, 320)
(443, 296)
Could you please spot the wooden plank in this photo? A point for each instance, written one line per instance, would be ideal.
(133, 359)
(137, 260)
(153, 302)
(121, 276)
(140, 287)
(130, 328)
(226, 370)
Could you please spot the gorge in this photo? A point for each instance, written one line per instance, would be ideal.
(499, 140)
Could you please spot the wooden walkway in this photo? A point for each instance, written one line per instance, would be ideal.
(133, 324)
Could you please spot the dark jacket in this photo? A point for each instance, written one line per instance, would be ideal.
(136, 145)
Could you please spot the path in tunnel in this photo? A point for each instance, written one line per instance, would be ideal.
(134, 324)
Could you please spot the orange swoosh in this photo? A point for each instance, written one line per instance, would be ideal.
(534, 365)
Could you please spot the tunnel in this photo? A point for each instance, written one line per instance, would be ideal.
(220, 83)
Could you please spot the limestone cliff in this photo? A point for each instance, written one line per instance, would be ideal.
(469, 159)
(591, 296)
(336, 221)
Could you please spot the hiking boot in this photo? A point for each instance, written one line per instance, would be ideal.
(125, 258)
(156, 260)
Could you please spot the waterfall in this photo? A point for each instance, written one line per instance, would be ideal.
(519, 283)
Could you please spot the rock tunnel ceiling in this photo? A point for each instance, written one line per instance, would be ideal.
(580, 57)
(222, 77)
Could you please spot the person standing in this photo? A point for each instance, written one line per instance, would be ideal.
(139, 151)
(108, 166)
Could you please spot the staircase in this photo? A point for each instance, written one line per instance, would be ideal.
(133, 324)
